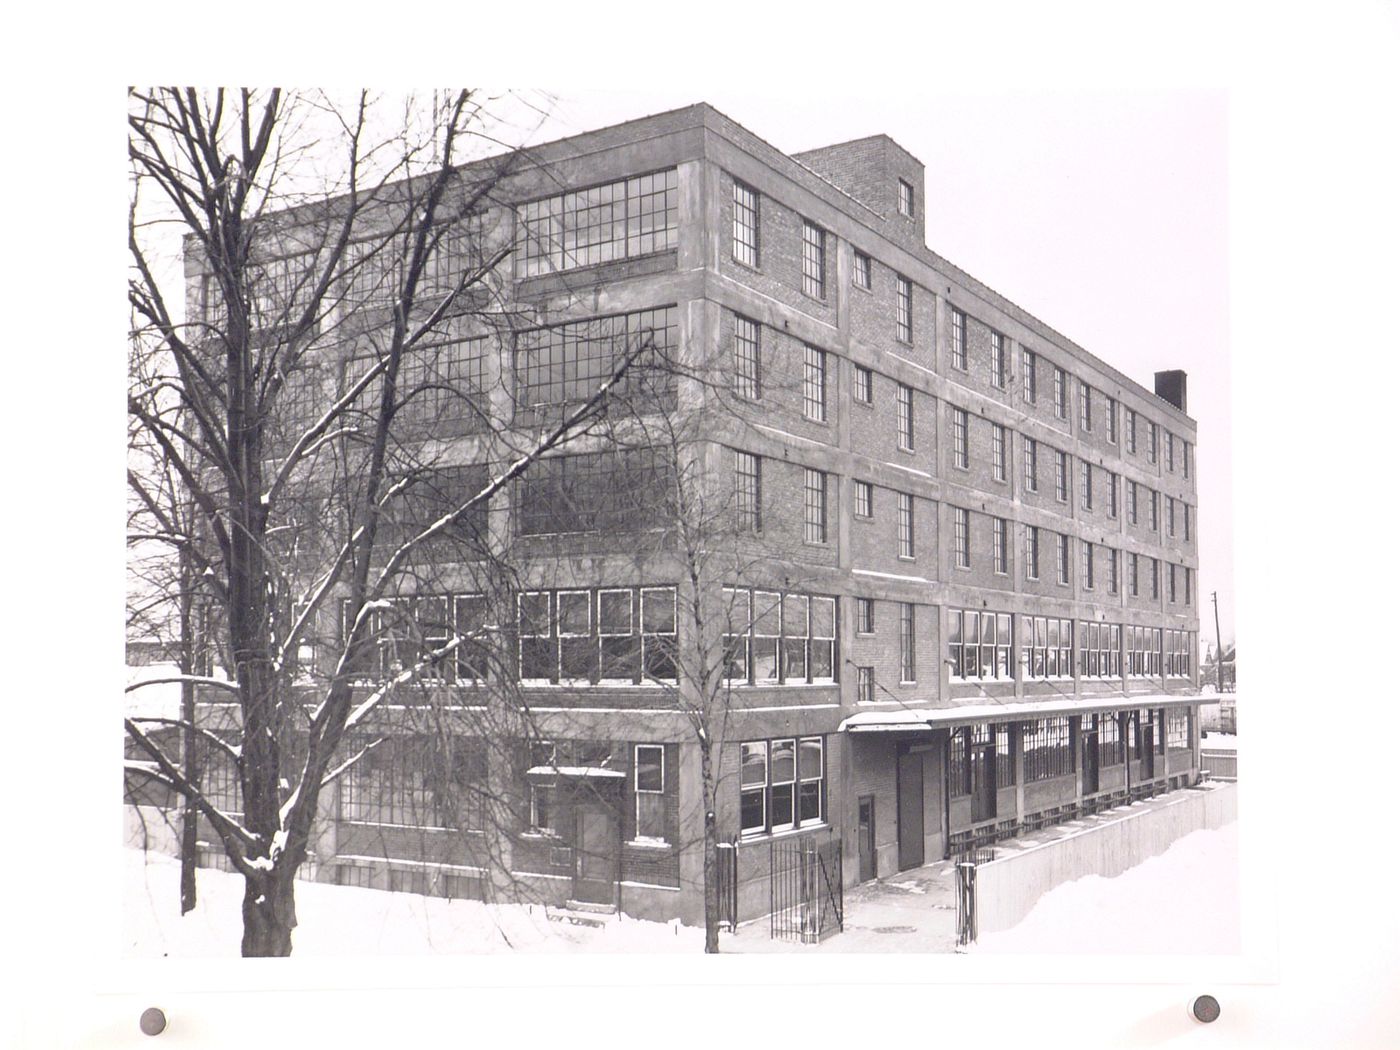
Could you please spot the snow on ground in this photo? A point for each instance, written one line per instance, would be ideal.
(1221, 742)
(348, 920)
(1184, 901)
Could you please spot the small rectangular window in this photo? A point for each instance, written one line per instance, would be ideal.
(863, 390)
(904, 310)
(1028, 376)
(865, 499)
(814, 384)
(904, 408)
(814, 506)
(906, 525)
(998, 452)
(906, 198)
(960, 454)
(960, 340)
(745, 224)
(747, 358)
(999, 546)
(813, 260)
(962, 543)
(998, 360)
(865, 616)
(861, 272)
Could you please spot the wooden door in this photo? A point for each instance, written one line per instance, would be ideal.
(595, 854)
(984, 781)
(909, 798)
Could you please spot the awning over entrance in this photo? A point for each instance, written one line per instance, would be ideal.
(911, 720)
(589, 772)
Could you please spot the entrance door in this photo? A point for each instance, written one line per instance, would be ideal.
(1089, 750)
(865, 837)
(909, 799)
(595, 854)
(1147, 744)
(984, 775)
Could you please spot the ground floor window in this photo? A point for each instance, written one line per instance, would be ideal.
(1178, 728)
(782, 784)
(649, 788)
(1047, 749)
(1110, 738)
(979, 644)
(415, 781)
(549, 791)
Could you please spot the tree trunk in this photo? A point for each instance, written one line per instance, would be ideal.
(189, 817)
(711, 843)
(269, 915)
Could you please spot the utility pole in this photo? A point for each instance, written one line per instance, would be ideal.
(1219, 652)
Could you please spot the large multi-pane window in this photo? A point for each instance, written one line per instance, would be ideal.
(782, 784)
(1047, 647)
(1061, 393)
(1086, 485)
(443, 386)
(748, 491)
(1032, 552)
(416, 781)
(1178, 654)
(998, 452)
(748, 358)
(906, 642)
(1062, 476)
(772, 638)
(814, 505)
(906, 525)
(998, 360)
(813, 260)
(1028, 376)
(1000, 547)
(962, 543)
(614, 635)
(865, 499)
(569, 362)
(960, 340)
(619, 220)
(814, 383)
(1029, 462)
(863, 389)
(1062, 558)
(745, 224)
(904, 414)
(904, 309)
(959, 416)
(611, 490)
(1046, 746)
(409, 630)
(1100, 649)
(547, 759)
(979, 644)
(1144, 651)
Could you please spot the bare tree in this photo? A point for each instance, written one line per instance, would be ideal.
(326, 258)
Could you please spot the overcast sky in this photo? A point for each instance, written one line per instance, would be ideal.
(1103, 214)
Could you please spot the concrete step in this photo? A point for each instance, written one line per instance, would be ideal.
(579, 918)
(591, 906)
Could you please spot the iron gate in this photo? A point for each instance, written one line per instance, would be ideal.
(804, 887)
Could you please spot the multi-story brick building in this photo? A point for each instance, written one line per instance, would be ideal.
(963, 594)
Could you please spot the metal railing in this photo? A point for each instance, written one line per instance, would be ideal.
(806, 901)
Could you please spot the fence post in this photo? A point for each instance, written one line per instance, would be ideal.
(967, 902)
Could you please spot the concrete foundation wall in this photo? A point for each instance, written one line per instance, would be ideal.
(1008, 888)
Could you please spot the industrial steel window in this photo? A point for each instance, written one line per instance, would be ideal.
(1151, 442)
(1046, 745)
(748, 491)
(1047, 647)
(1028, 376)
(1186, 521)
(1171, 451)
(813, 260)
(962, 543)
(773, 638)
(568, 362)
(1061, 394)
(612, 490)
(649, 787)
(444, 385)
(906, 642)
(864, 387)
(1032, 552)
(960, 340)
(999, 546)
(1031, 470)
(748, 359)
(865, 685)
(906, 525)
(1132, 502)
(1086, 564)
(1110, 738)
(998, 360)
(904, 414)
(1178, 728)
(998, 452)
(415, 781)
(865, 499)
(904, 309)
(861, 273)
(1171, 583)
(1086, 485)
(1111, 421)
(1144, 652)
(1130, 430)
(1132, 574)
(782, 784)
(1154, 576)
(1062, 476)
(1113, 495)
(1112, 571)
(814, 505)
(979, 644)
(1178, 654)
(1086, 412)
(581, 637)
(814, 383)
(1153, 498)
(745, 224)
(619, 220)
(960, 438)
(865, 616)
(906, 198)
(1100, 650)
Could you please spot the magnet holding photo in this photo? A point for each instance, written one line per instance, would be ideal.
(1205, 1008)
(153, 1020)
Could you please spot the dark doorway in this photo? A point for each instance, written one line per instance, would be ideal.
(1089, 752)
(595, 854)
(865, 837)
(984, 774)
(909, 801)
(1147, 744)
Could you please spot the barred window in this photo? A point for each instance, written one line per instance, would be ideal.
(1046, 745)
(861, 273)
(998, 452)
(1062, 476)
(1032, 552)
(904, 310)
(962, 543)
(979, 644)
(1100, 650)
(1061, 394)
(748, 360)
(1110, 738)
(960, 340)
(906, 525)
(782, 784)
(865, 685)
(813, 260)
(748, 491)
(814, 383)
(1030, 466)
(1047, 647)
(960, 438)
(745, 224)
(814, 505)
(1144, 652)
(578, 637)
(999, 546)
(863, 389)
(998, 360)
(568, 362)
(1086, 484)
(906, 642)
(773, 638)
(865, 499)
(1028, 376)
(904, 411)
(618, 220)
(613, 490)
